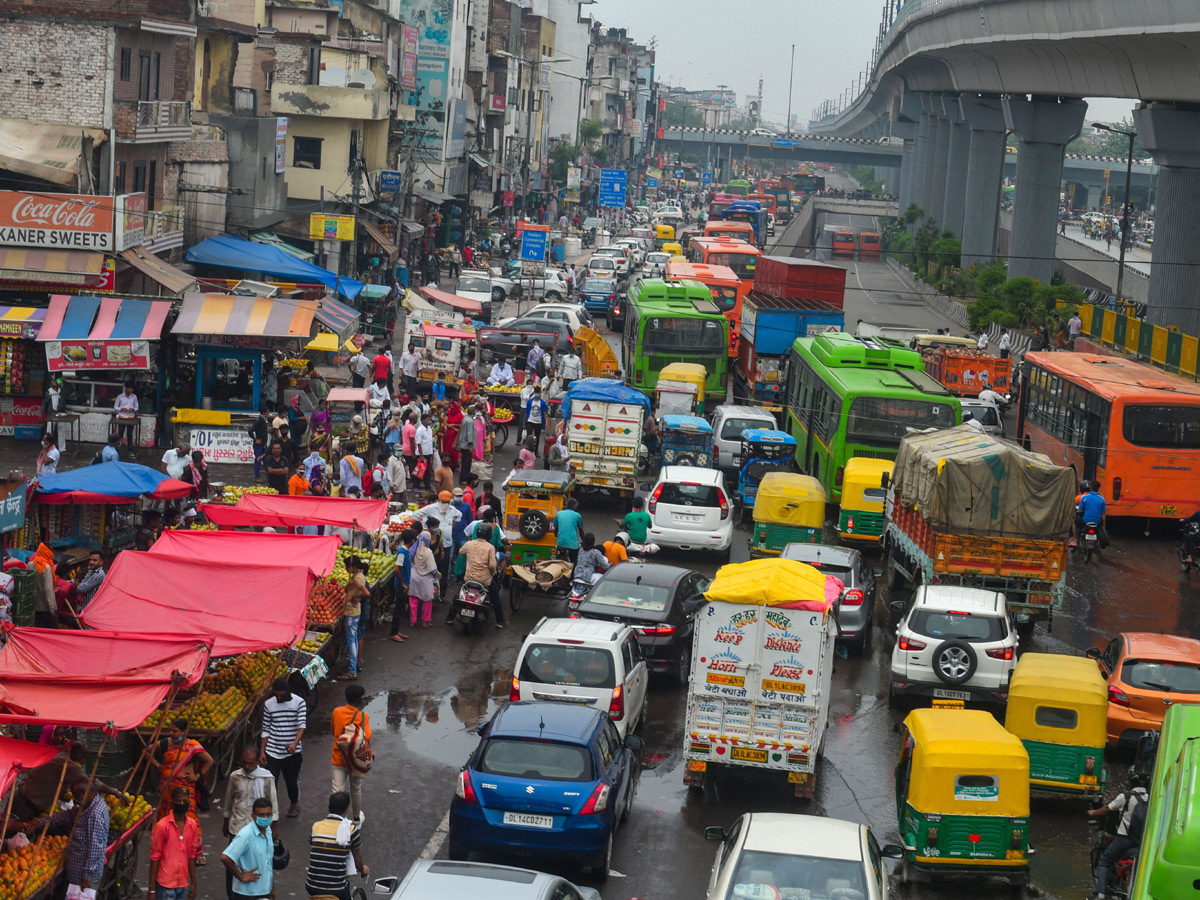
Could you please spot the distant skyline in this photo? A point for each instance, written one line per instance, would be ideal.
(698, 50)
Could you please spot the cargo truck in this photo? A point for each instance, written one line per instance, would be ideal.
(769, 327)
(966, 508)
(604, 433)
(792, 276)
(967, 371)
(761, 669)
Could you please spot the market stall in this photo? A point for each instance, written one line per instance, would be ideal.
(18, 756)
(442, 350)
(22, 372)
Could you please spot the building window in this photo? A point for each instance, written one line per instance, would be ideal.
(306, 152)
(148, 67)
(139, 177)
(119, 181)
(126, 63)
(152, 181)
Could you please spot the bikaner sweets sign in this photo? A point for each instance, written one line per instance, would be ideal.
(56, 221)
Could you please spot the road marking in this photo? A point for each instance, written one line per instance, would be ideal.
(437, 838)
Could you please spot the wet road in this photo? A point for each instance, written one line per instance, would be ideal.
(428, 695)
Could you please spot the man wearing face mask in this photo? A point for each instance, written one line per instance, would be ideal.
(445, 513)
(174, 846)
(250, 856)
(247, 783)
(89, 838)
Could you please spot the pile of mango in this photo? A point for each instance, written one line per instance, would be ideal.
(247, 672)
(122, 814)
(232, 492)
(17, 867)
(204, 712)
(379, 565)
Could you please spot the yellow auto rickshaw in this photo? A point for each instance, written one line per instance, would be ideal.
(788, 508)
(674, 248)
(1058, 707)
(680, 389)
(864, 491)
(532, 498)
(663, 234)
(962, 796)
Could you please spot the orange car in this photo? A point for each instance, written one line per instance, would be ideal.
(1146, 674)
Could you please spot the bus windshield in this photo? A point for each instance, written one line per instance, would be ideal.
(742, 263)
(678, 335)
(1163, 426)
(724, 297)
(885, 420)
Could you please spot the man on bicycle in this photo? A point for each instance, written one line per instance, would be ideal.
(1132, 806)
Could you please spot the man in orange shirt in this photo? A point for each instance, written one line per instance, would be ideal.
(174, 846)
(614, 550)
(344, 778)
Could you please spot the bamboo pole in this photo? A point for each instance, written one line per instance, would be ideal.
(154, 738)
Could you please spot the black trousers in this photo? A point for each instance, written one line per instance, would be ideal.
(290, 769)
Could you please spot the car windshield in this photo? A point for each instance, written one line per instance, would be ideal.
(963, 626)
(626, 595)
(657, 257)
(1168, 677)
(529, 758)
(679, 494)
(786, 877)
(479, 285)
(733, 427)
(565, 664)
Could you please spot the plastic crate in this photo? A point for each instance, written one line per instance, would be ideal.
(118, 756)
(23, 597)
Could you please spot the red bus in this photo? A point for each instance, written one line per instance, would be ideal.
(732, 229)
(844, 244)
(869, 243)
(737, 255)
(727, 290)
(1133, 428)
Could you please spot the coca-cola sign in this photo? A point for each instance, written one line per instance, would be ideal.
(56, 221)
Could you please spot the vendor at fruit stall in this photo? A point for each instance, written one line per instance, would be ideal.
(84, 859)
(37, 795)
(182, 762)
(501, 373)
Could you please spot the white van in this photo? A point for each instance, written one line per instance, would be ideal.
(728, 424)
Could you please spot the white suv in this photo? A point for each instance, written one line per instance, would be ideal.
(691, 509)
(953, 643)
(728, 424)
(584, 661)
(619, 255)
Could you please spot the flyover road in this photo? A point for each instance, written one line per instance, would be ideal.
(427, 695)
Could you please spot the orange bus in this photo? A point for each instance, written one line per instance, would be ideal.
(1133, 428)
(767, 201)
(844, 244)
(727, 291)
(731, 229)
(737, 255)
(869, 243)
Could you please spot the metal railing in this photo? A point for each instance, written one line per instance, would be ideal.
(164, 114)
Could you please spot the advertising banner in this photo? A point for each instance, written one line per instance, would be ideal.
(69, 356)
(12, 510)
(330, 228)
(280, 144)
(131, 220)
(21, 417)
(573, 177)
(224, 445)
(508, 198)
(408, 59)
(57, 221)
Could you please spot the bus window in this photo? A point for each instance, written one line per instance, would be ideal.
(876, 419)
(725, 297)
(742, 263)
(1162, 426)
(669, 334)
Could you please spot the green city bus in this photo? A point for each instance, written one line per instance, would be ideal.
(739, 186)
(851, 396)
(674, 321)
(1168, 865)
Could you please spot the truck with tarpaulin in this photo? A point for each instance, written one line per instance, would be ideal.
(604, 420)
(761, 670)
(970, 509)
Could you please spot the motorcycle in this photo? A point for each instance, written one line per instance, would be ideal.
(472, 606)
(578, 591)
(1189, 546)
(1091, 539)
(589, 238)
(1121, 873)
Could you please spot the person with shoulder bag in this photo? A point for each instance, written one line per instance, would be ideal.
(352, 756)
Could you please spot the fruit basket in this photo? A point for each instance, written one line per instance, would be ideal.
(36, 870)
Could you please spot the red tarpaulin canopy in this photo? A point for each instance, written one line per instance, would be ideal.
(245, 607)
(466, 304)
(170, 489)
(46, 654)
(318, 552)
(16, 756)
(348, 395)
(112, 706)
(284, 511)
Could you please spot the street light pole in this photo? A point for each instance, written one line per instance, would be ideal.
(1124, 206)
(791, 79)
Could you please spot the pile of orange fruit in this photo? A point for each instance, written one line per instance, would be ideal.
(326, 603)
(15, 867)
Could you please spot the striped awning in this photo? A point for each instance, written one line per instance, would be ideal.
(50, 266)
(245, 316)
(25, 315)
(339, 318)
(103, 318)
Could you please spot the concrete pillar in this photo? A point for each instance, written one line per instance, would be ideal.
(1169, 134)
(954, 203)
(985, 172)
(935, 198)
(922, 160)
(1045, 125)
(901, 184)
(906, 175)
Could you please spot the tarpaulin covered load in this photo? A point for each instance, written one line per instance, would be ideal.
(21, 756)
(48, 654)
(229, 252)
(317, 552)
(284, 511)
(110, 482)
(605, 390)
(245, 607)
(774, 582)
(964, 481)
(787, 498)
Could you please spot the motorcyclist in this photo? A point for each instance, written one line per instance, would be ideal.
(1190, 537)
(1127, 839)
(482, 567)
(1091, 508)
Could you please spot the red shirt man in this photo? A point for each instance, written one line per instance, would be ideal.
(382, 366)
(174, 847)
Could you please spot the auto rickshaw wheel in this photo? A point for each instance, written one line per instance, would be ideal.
(533, 525)
(684, 461)
(516, 595)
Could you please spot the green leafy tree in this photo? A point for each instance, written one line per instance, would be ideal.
(590, 130)
(562, 156)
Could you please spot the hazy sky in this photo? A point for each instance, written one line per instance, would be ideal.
(702, 44)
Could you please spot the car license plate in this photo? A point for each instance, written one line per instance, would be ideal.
(946, 694)
(798, 777)
(528, 821)
(948, 704)
(468, 613)
(1087, 779)
(749, 754)
(686, 518)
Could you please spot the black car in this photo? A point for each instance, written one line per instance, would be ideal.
(659, 603)
(513, 340)
(616, 311)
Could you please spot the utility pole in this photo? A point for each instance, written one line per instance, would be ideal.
(356, 173)
(791, 78)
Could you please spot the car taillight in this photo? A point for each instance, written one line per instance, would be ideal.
(610, 296)
(1001, 653)
(1089, 766)
(658, 630)
(653, 504)
(514, 693)
(852, 597)
(1117, 696)
(1116, 488)
(907, 643)
(716, 454)
(616, 706)
(837, 476)
(464, 790)
(598, 802)
(724, 501)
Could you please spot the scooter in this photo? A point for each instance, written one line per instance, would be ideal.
(1091, 539)
(579, 589)
(472, 606)
(1189, 546)
(1121, 873)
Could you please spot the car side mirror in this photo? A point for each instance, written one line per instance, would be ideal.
(634, 743)
(897, 607)
(384, 885)
(481, 728)
(714, 833)
(1023, 619)
(1092, 653)
(877, 572)
(892, 851)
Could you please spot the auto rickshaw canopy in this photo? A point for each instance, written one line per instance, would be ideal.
(689, 373)
(863, 473)
(786, 498)
(774, 582)
(951, 743)
(664, 232)
(1057, 682)
(539, 480)
(691, 424)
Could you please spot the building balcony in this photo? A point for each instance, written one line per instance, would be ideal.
(164, 228)
(329, 101)
(156, 120)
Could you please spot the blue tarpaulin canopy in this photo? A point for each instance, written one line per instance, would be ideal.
(236, 253)
(110, 482)
(606, 390)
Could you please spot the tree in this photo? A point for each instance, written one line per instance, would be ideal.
(679, 113)
(562, 155)
(590, 130)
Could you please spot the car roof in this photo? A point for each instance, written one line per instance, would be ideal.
(824, 553)
(793, 834)
(976, 402)
(481, 273)
(545, 718)
(566, 307)
(690, 473)
(449, 880)
(655, 574)
(949, 596)
(744, 412)
(579, 629)
(1167, 647)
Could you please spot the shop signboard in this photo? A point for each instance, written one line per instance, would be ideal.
(57, 221)
(408, 58)
(131, 220)
(508, 198)
(280, 144)
(12, 509)
(223, 445)
(330, 228)
(573, 177)
(25, 330)
(390, 181)
(73, 356)
(21, 417)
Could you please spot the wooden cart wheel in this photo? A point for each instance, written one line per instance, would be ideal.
(501, 437)
(120, 874)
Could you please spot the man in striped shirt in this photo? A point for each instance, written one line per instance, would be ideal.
(283, 721)
(334, 851)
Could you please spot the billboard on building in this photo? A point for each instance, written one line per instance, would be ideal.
(330, 228)
(408, 59)
(131, 220)
(57, 221)
(280, 144)
(434, 21)
(456, 137)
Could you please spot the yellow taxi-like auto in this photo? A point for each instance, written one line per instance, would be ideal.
(788, 508)
(864, 492)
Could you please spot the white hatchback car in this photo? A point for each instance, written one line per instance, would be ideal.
(691, 509)
(953, 643)
(770, 855)
(584, 661)
(729, 422)
(604, 267)
(572, 313)
(619, 255)
(637, 252)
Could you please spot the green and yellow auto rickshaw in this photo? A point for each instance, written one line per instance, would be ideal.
(788, 509)
(864, 492)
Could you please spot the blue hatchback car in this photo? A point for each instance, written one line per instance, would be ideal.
(547, 779)
(595, 294)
